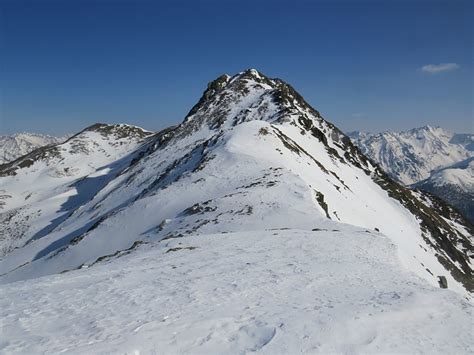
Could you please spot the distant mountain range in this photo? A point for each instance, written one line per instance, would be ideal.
(411, 156)
(17, 145)
(431, 159)
(455, 185)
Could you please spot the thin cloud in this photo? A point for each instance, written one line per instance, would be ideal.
(439, 68)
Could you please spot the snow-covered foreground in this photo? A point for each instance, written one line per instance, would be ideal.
(338, 289)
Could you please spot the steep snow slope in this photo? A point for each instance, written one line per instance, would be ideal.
(336, 290)
(454, 184)
(14, 146)
(411, 156)
(251, 155)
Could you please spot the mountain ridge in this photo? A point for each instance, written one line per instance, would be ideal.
(454, 184)
(410, 156)
(425, 158)
(251, 154)
(18, 144)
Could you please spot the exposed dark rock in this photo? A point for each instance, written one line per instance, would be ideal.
(443, 283)
(322, 203)
(179, 248)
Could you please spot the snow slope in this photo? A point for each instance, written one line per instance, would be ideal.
(41, 189)
(454, 184)
(16, 145)
(411, 156)
(253, 225)
(251, 155)
(460, 174)
(339, 289)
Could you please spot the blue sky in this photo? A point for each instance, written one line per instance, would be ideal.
(365, 65)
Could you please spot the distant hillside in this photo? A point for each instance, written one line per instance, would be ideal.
(411, 156)
(16, 145)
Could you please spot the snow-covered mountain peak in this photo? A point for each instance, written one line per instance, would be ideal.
(251, 155)
(428, 133)
(250, 95)
(100, 142)
(16, 145)
(411, 156)
(428, 128)
(430, 158)
(251, 71)
(32, 137)
(120, 130)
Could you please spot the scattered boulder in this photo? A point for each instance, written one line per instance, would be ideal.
(179, 248)
(443, 283)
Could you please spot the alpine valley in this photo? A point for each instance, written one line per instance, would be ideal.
(254, 225)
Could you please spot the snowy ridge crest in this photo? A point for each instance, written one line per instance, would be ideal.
(251, 155)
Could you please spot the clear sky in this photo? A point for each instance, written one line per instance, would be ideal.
(365, 65)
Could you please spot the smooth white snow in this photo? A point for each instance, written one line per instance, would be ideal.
(275, 292)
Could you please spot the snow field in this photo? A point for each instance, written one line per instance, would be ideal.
(340, 290)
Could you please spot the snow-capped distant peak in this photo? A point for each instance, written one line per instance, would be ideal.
(16, 145)
(411, 156)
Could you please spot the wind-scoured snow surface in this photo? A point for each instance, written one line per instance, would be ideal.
(337, 290)
(162, 226)
(411, 156)
(16, 145)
